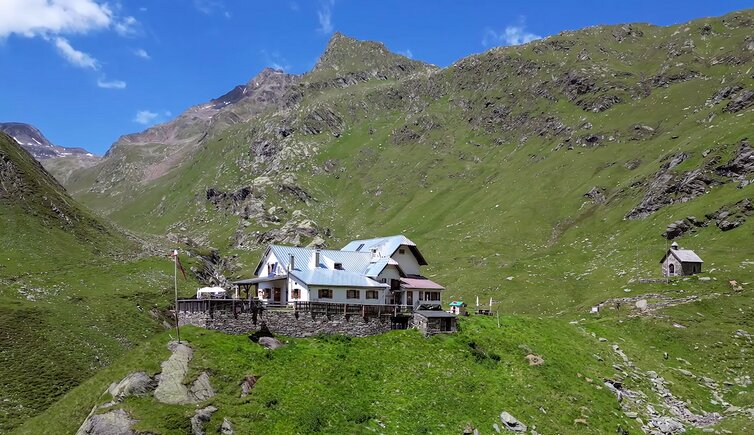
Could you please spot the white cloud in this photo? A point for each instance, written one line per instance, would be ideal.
(42, 17)
(324, 15)
(407, 53)
(140, 52)
(210, 7)
(275, 60)
(127, 27)
(73, 56)
(51, 19)
(145, 117)
(111, 84)
(512, 35)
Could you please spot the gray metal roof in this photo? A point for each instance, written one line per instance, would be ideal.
(683, 255)
(687, 255)
(386, 246)
(258, 280)
(433, 313)
(351, 261)
(377, 267)
(335, 278)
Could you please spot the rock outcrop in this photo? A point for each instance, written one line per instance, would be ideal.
(115, 422)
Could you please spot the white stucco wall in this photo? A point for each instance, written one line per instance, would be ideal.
(340, 293)
(666, 266)
(409, 264)
(389, 272)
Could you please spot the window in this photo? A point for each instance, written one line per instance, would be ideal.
(383, 280)
(430, 296)
(296, 293)
(353, 294)
(372, 294)
(360, 246)
(401, 251)
(325, 293)
(671, 268)
(266, 293)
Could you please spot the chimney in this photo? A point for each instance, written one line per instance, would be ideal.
(316, 258)
(375, 254)
(674, 246)
(291, 263)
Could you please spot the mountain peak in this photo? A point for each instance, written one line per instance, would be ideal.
(346, 56)
(32, 140)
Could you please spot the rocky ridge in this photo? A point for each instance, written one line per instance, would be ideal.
(37, 144)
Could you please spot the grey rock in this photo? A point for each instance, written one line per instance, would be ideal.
(133, 384)
(227, 427)
(511, 423)
(201, 416)
(642, 304)
(270, 343)
(742, 101)
(668, 425)
(171, 389)
(631, 414)
(201, 389)
(247, 384)
(496, 427)
(115, 422)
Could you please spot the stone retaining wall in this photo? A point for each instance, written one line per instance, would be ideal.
(287, 323)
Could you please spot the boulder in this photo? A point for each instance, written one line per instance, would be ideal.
(134, 384)
(227, 427)
(201, 389)
(668, 425)
(200, 417)
(271, 343)
(247, 384)
(511, 423)
(535, 360)
(642, 304)
(727, 225)
(115, 422)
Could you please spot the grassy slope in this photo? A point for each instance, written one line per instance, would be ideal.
(401, 380)
(69, 292)
(488, 205)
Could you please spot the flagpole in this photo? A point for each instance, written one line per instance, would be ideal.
(175, 283)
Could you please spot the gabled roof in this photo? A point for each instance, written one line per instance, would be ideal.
(377, 267)
(335, 278)
(386, 246)
(683, 255)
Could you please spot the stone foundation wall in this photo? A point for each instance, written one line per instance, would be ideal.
(286, 323)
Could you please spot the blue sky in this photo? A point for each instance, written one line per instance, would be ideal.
(88, 71)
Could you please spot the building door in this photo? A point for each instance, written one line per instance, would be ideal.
(409, 298)
(671, 269)
(276, 294)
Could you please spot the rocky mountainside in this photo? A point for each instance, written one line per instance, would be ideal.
(548, 177)
(37, 144)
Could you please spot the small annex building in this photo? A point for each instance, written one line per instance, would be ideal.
(430, 319)
(379, 271)
(680, 262)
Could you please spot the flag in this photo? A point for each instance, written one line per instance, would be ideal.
(177, 260)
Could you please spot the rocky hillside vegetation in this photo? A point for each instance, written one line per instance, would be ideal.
(549, 176)
(75, 292)
(632, 127)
